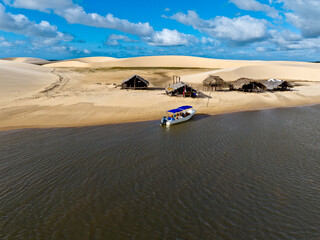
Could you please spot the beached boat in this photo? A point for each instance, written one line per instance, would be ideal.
(178, 115)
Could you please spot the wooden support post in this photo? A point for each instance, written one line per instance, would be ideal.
(209, 97)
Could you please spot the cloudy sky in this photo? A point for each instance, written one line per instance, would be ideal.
(229, 29)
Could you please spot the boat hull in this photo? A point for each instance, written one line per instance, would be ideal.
(180, 120)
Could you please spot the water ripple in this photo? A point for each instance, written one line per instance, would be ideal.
(248, 175)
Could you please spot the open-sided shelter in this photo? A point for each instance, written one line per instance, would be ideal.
(277, 85)
(135, 82)
(183, 89)
(247, 85)
(215, 82)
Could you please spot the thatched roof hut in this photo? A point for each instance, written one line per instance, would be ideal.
(247, 85)
(277, 85)
(181, 88)
(214, 82)
(135, 82)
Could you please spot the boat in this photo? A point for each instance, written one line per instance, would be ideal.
(178, 115)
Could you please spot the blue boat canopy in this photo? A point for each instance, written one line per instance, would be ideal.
(185, 107)
(180, 109)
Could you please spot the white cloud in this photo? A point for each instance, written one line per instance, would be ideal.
(168, 37)
(114, 39)
(239, 30)
(69, 49)
(253, 5)
(78, 15)
(190, 19)
(287, 40)
(285, 37)
(305, 15)
(211, 41)
(40, 35)
(261, 49)
(6, 43)
(43, 5)
(74, 13)
(307, 43)
(20, 24)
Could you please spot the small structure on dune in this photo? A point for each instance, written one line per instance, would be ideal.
(181, 88)
(135, 82)
(247, 85)
(215, 82)
(277, 85)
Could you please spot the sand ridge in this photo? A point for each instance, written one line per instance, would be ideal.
(285, 71)
(19, 79)
(159, 61)
(93, 59)
(31, 60)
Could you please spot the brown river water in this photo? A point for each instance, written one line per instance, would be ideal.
(250, 175)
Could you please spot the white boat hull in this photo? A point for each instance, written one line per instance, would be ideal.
(182, 119)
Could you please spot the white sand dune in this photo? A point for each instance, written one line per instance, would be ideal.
(18, 79)
(175, 61)
(168, 61)
(68, 64)
(154, 61)
(94, 59)
(37, 61)
(81, 62)
(282, 70)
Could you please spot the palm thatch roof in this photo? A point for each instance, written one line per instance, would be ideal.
(247, 84)
(214, 81)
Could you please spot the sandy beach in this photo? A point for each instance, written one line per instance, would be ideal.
(85, 91)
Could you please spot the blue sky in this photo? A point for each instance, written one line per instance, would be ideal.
(227, 29)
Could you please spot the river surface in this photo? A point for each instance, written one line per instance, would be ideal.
(251, 175)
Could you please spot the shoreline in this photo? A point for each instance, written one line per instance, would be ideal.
(107, 123)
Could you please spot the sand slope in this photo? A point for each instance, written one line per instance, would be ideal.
(81, 62)
(18, 79)
(94, 59)
(37, 61)
(68, 64)
(156, 61)
(286, 71)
